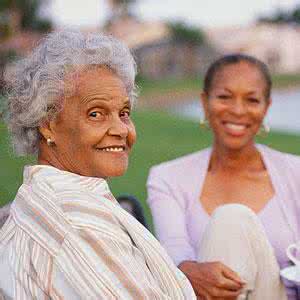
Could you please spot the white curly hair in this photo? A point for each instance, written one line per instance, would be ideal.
(35, 84)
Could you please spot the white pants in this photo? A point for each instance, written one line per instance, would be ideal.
(235, 237)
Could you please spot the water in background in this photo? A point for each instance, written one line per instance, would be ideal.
(283, 115)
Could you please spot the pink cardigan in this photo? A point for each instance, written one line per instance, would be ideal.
(174, 188)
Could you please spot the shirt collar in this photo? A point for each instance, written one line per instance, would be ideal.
(61, 178)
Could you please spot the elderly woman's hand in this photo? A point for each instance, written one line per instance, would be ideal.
(212, 280)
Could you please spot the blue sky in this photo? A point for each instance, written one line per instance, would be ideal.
(209, 13)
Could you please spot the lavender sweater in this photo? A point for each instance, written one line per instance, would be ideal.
(174, 189)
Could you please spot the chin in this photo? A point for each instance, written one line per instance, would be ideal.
(118, 173)
(114, 171)
(237, 145)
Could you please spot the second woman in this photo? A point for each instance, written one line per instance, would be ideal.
(214, 210)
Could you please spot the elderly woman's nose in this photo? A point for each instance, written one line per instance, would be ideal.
(118, 127)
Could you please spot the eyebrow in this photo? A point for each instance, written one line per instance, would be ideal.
(225, 89)
(252, 93)
(127, 103)
(248, 93)
(103, 98)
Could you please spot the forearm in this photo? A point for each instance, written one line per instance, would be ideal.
(188, 268)
(211, 279)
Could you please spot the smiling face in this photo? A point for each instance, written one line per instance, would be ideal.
(93, 134)
(236, 105)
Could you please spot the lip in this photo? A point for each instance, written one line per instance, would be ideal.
(236, 123)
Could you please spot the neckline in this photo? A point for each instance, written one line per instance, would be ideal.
(269, 168)
(62, 178)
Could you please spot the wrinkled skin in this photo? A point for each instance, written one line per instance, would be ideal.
(93, 122)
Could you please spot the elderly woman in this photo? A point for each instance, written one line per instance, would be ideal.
(235, 206)
(66, 237)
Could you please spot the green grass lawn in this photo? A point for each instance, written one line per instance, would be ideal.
(166, 85)
(161, 137)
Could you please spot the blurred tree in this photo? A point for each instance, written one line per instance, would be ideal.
(183, 33)
(296, 15)
(282, 17)
(19, 15)
(278, 17)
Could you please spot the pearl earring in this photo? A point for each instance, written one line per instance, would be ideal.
(49, 142)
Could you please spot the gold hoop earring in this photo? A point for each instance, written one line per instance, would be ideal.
(204, 123)
(264, 130)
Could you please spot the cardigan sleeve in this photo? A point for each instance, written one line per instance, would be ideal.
(169, 216)
(292, 178)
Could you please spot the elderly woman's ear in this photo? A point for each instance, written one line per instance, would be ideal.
(47, 132)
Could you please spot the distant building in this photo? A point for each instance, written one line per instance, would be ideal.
(278, 45)
(156, 53)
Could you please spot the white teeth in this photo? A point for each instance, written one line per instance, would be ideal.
(113, 149)
(236, 127)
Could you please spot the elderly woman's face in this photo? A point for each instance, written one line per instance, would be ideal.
(94, 133)
(236, 105)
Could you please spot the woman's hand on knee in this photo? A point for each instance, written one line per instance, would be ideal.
(212, 280)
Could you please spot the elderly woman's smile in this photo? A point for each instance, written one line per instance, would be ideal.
(93, 134)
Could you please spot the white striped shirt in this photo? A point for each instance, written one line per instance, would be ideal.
(68, 238)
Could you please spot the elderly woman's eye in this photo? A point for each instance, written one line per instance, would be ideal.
(95, 114)
(125, 113)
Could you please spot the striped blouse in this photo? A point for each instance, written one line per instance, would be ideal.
(68, 238)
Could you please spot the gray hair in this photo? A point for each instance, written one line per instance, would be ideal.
(36, 83)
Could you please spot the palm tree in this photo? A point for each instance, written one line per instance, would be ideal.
(183, 33)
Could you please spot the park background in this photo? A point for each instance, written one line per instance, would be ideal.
(173, 43)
